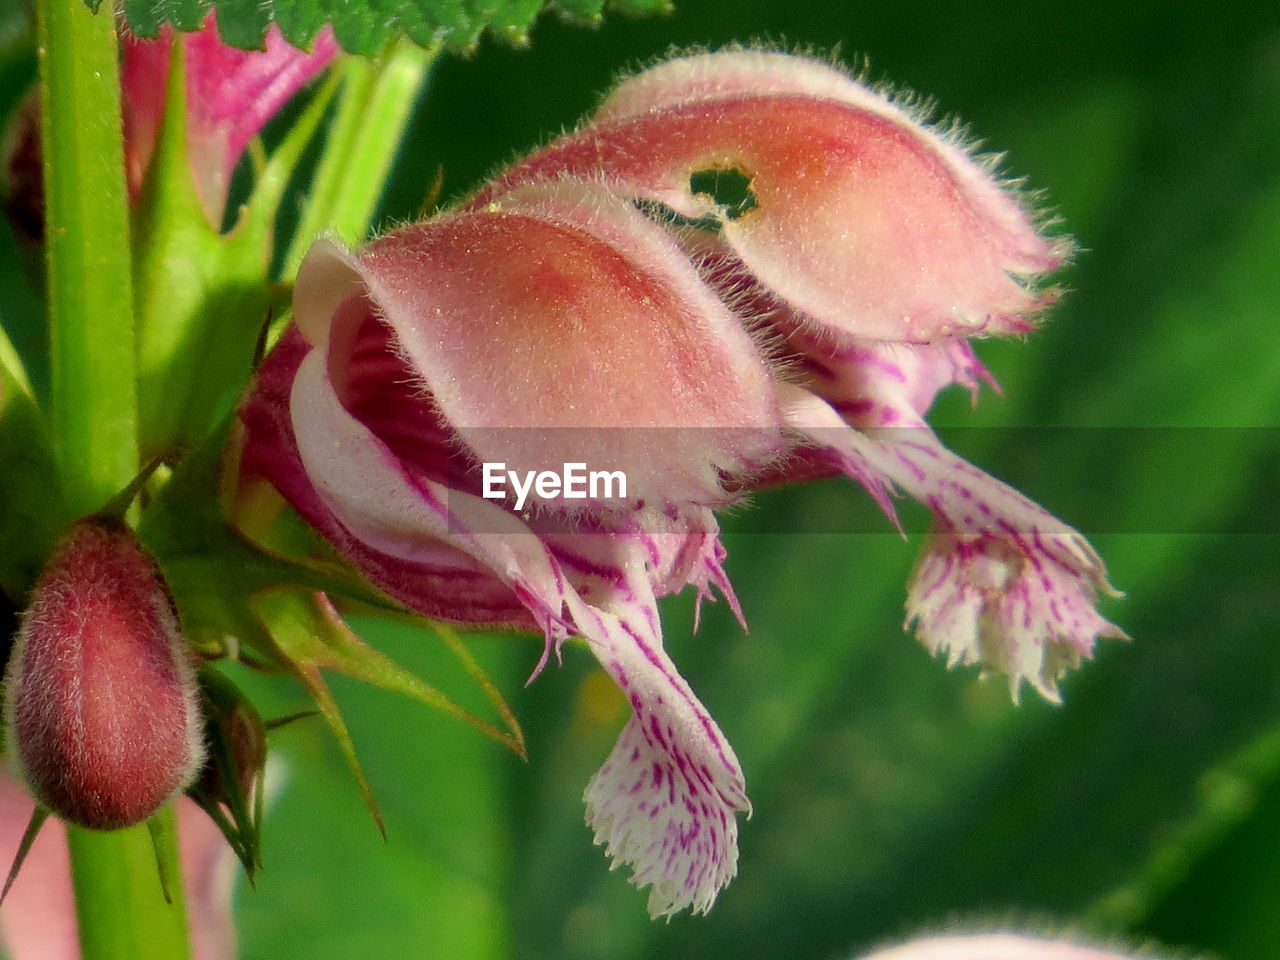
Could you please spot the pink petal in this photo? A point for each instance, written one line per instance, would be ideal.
(995, 946)
(1002, 582)
(665, 802)
(876, 384)
(444, 582)
(407, 518)
(607, 347)
(231, 94)
(38, 920)
(866, 223)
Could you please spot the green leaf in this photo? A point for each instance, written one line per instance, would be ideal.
(308, 631)
(367, 27)
(201, 295)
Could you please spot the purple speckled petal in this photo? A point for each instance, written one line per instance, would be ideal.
(666, 800)
(1001, 582)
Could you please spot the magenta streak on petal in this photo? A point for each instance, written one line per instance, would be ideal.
(409, 518)
(378, 388)
(662, 663)
(984, 591)
(662, 825)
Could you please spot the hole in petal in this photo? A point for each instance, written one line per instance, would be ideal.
(729, 189)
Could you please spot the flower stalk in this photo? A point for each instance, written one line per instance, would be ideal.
(120, 907)
(90, 302)
(368, 125)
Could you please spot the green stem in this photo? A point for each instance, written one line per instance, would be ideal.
(377, 99)
(120, 905)
(94, 406)
(121, 910)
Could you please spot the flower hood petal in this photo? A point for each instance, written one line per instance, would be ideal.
(559, 325)
(862, 219)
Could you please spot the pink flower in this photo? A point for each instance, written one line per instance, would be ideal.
(703, 352)
(996, 946)
(231, 94)
(871, 249)
(558, 325)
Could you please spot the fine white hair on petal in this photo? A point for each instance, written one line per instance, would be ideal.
(703, 76)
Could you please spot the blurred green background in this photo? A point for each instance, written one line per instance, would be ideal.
(891, 795)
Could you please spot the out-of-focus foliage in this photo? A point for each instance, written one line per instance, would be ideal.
(890, 794)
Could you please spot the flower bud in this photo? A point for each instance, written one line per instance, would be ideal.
(101, 715)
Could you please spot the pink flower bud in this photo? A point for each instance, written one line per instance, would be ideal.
(101, 714)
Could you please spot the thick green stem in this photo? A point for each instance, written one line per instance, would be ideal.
(94, 415)
(121, 909)
(377, 99)
(120, 904)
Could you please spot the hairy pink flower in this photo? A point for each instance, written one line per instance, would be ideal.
(593, 305)
(996, 946)
(231, 94)
(863, 219)
(101, 715)
(871, 248)
(558, 325)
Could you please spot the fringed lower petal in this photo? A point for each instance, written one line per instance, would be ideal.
(1002, 582)
(666, 800)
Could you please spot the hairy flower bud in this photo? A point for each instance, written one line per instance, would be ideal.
(101, 715)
